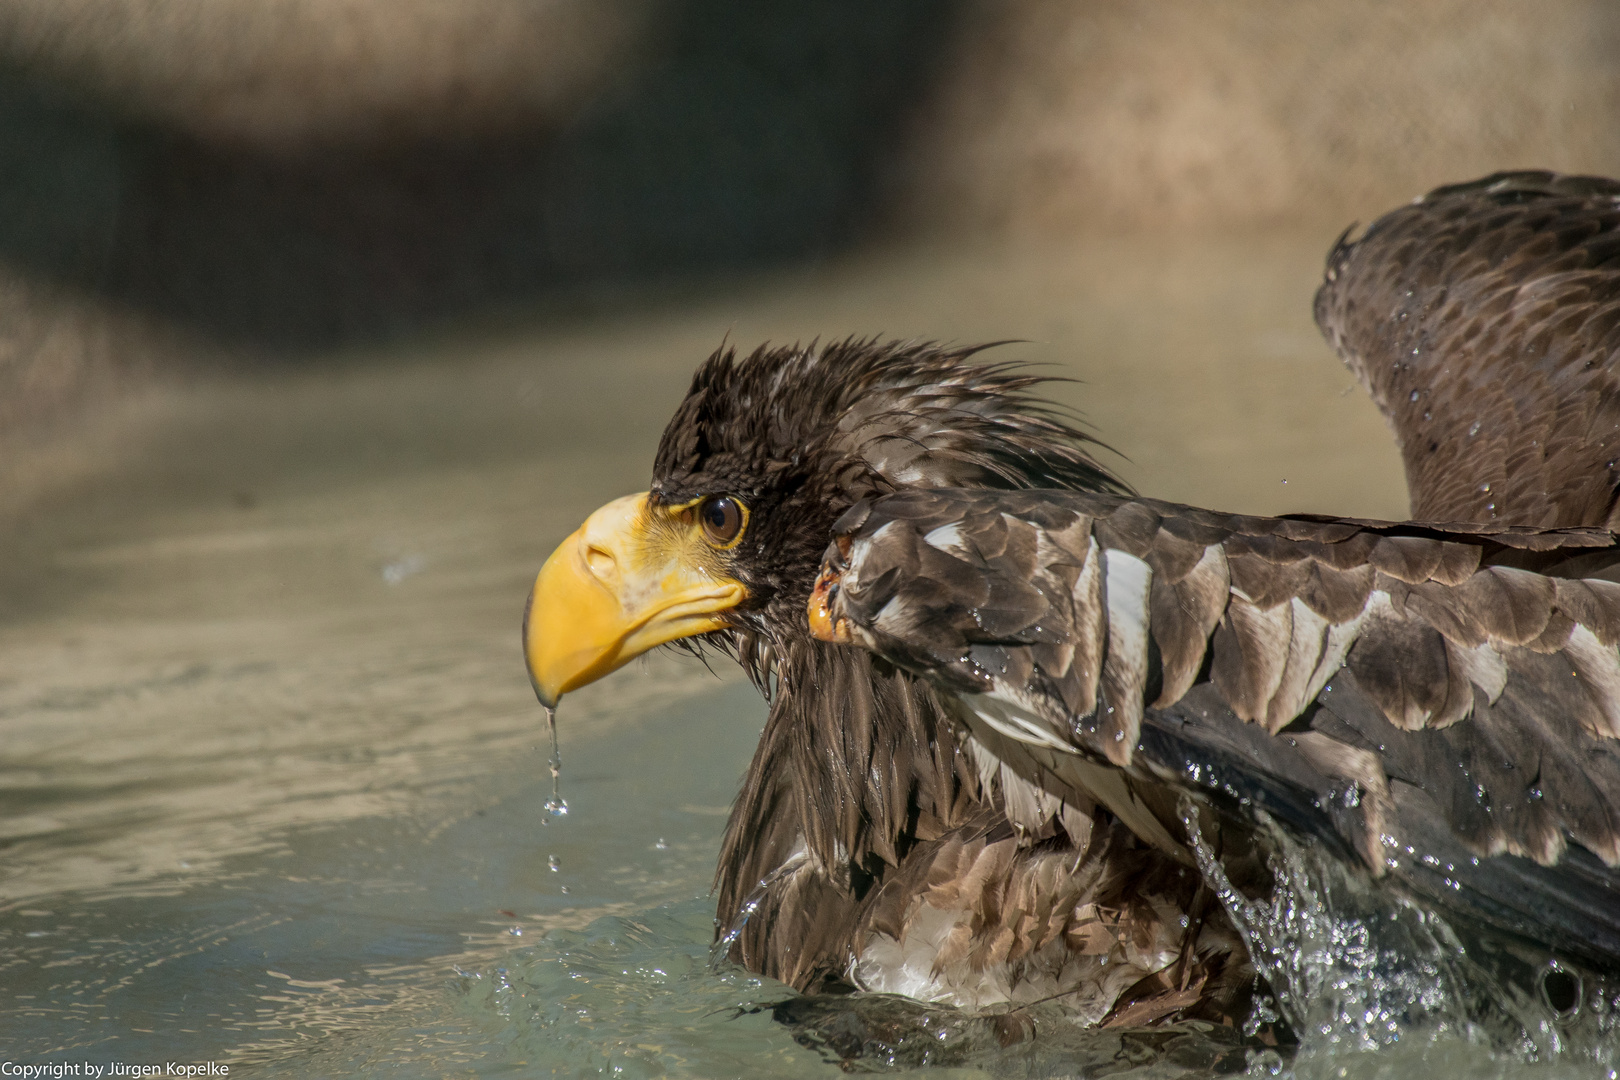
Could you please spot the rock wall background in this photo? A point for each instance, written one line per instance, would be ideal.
(249, 181)
(1056, 116)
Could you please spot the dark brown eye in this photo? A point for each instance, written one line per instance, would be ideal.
(722, 518)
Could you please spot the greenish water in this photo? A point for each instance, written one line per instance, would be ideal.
(271, 774)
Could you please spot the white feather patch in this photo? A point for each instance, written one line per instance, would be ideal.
(1307, 640)
(1090, 985)
(1484, 666)
(1340, 636)
(1125, 668)
(1269, 631)
(888, 966)
(1076, 781)
(892, 619)
(1090, 628)
(1599, 668)
(859, 549)
(1014, 720)
(948, 538)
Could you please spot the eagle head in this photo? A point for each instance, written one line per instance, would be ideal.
(763, 454)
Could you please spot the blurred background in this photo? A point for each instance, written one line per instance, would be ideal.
(323, 321)
(192, 180)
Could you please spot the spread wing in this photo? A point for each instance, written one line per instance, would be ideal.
(1442, 706)
(1482, 319)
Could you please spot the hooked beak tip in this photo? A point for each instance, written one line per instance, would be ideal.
(548, 701)
(545, 702)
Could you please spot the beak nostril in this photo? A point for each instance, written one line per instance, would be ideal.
(601, 562)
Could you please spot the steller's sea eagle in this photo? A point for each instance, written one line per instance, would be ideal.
(1030, 734)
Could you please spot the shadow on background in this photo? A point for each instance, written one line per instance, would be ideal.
(203, 178)
(755, 133)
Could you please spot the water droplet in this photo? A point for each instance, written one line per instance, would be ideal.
(1413, 396)
(1485, 487)
(552, 864)
(565, 890)
(661, 846)
(1474, 430)
(515, 931)
(555, 806)
(1427, 415)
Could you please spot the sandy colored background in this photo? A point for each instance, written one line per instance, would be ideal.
(1059, 117)
(190, 183)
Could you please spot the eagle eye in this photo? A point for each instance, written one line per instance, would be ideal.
(722, 518)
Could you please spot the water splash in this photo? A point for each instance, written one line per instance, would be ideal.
(720, 952)
(556, 806)
(1358, 969)
(1361, 982)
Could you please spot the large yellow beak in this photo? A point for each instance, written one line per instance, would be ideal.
(632, 577)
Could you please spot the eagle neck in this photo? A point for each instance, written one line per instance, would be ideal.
(858, 761)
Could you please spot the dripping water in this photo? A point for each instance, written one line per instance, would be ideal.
(720, 951)
(556, 806)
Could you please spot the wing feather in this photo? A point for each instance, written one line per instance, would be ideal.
(1482, 320)
(1089, 623)
(1401, 662)
(1184, 613)
(1307, 641)
(1124, 676)
(1433, 657)
(1250, 654)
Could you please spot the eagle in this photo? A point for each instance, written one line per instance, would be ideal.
(1033, 737)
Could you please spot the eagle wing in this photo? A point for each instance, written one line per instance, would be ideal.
(1441, 706)
(1482, 318)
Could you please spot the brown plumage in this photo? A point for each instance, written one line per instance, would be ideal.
(1435, 676)
(1459, 683)
(980, 776)
(1484, 320)
(865, 826)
